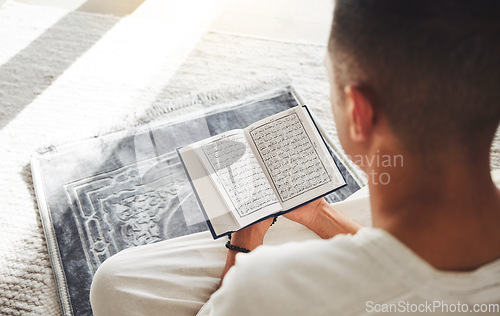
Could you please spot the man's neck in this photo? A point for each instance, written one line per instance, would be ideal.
(448, 214)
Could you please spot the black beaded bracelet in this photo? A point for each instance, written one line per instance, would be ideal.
(275, 219)
(236, 248)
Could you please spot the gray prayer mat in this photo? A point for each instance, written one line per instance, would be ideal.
(127, 189)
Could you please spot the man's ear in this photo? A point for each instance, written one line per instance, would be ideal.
(360, 114)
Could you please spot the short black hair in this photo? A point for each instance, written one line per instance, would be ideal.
(431, 66)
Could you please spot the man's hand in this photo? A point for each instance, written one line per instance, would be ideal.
(307, 213)
(323, 219)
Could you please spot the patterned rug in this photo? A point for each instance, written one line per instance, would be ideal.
(129, 189)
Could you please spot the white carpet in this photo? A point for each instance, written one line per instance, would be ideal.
(66, 76)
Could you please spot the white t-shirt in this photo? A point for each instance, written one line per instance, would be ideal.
(350, 275)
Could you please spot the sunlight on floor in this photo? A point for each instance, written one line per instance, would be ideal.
(147, 54)
(289, 20)
(25, 36)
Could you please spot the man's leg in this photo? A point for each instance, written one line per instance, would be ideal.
(178, 276)
(174, 277)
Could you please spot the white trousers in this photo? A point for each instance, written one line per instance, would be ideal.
(177, 276)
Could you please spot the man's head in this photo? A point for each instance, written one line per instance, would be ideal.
(430, 69)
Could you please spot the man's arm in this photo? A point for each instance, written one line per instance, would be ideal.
(249, 237)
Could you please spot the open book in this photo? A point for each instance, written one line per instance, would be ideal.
(269, 168)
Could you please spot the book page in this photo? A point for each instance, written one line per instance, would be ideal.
(219, 215)
(239, 177)
(293, 157)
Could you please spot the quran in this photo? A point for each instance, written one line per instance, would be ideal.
(269, 168)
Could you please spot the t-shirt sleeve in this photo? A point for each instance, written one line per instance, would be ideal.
(318, 277)
(303, 278)
(238, 289)
(263, 282)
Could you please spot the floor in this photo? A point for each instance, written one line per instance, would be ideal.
(288, 20)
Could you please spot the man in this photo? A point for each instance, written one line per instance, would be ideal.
(416, 79)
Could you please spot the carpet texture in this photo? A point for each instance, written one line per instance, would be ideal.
(67, 76)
